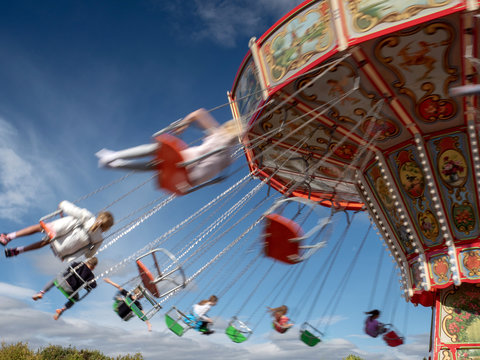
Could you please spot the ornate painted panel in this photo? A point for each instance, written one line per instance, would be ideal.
(298, 42)
(421, 70)
(366, 17)
(384, 198)
(248, 91)
(440, 271)
(452, 164)
(460, 315)
(470, 263)
(405, 167)
(468, 353)
(445, 354)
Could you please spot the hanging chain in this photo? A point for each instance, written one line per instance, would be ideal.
(136, 223)
(169, 233)
(129, 192)
(229, 246)
(103, 187)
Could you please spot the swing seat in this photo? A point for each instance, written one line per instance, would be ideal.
(392, 339)
(279, 328)
(148, 279)
(62, 290)
(116, 304)
(178, 323)
(238, 331)
(281, 239)
(310, 335)
(235, 335)
(308, 338)
(135, 309)
(175, 326)
(171, 176)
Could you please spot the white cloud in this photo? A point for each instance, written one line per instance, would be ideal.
(226, 21)
(99, 329)
(23, 179)
(14, 292)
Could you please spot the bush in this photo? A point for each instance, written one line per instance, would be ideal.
(20, 351)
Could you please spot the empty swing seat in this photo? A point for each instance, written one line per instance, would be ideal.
(308, 338)
(310, 335)
(175, 326)
(235, 335)
(392, 338)
(238, 331)
(172, 176)
(147, 279)
(176, 321)
(281, 239)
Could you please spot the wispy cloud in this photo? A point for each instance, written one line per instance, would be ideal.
(115, 337)
(21, 182)
(14, 292)
(225, 22)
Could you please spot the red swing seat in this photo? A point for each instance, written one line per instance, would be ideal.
(171, 176)
(392, 339)
(279, 239)
(147, 279)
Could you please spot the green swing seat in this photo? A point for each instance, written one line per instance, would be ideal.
(308, 338)
(116, 304)
(175, 326)
(310, 335)
(135, 309)
(238, 331)
(62, 290)
(235, 335)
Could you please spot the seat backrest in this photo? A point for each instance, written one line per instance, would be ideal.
(174, 326)
(235, 335)
(171, 177)
(62, 290)
(147, 278)
(278, 234)
(308, 338)
(392, 339)
(135, 309)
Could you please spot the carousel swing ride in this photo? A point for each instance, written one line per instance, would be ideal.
(419, 178)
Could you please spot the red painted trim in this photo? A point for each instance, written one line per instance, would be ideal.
(284, 19)
(315, 196)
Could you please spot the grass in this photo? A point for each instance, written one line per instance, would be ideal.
(21, 351)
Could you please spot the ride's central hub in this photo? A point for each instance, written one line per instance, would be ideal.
(350, 104)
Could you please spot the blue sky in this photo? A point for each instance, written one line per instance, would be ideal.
(76, 77)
